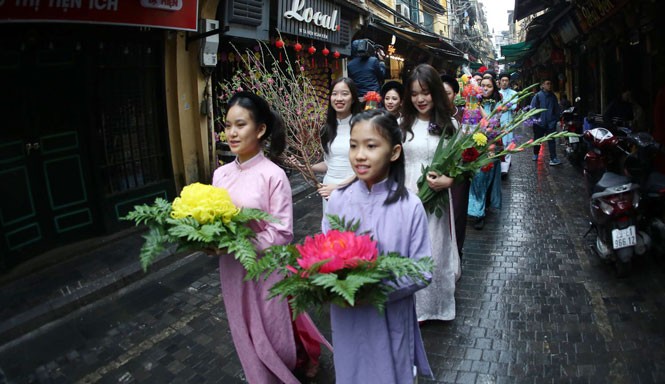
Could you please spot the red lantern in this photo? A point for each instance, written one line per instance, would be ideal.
(297, 47)
(336, 54)
(312, 50)
(280, 45)
(325, 52)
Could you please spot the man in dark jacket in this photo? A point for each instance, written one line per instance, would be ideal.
(548, 119)
(366, 69)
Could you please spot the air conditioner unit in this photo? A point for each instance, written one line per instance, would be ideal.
(403, 10)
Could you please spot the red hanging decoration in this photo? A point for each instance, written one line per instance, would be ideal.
(325, 52)
(312, 51)
(297, 47)
(336, 54)
(280, 45)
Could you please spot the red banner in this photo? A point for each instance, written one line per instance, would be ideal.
(169, 14)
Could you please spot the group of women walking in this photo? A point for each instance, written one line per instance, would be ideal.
(372, 161)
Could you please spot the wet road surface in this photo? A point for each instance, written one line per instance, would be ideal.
(534, 305)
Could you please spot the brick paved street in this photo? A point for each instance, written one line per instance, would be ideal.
(534, 305)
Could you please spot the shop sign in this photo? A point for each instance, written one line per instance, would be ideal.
(591, 13)
(169, 14)
(312, 19)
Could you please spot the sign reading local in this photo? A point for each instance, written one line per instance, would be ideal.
(313, 19)
(169, 14)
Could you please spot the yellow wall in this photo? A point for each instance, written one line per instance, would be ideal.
(185, 87)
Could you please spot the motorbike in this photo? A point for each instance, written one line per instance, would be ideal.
(613, 201)
(639, 166)
(571, 120)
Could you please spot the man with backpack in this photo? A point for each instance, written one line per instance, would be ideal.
(366, 67)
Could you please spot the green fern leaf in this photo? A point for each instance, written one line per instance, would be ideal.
(249, 214)
(155, 244)
(243, 251)
(345, 288)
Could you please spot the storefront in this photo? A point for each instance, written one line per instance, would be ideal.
(407, 48)
(85, 134)
(596, 49)
(314, 36)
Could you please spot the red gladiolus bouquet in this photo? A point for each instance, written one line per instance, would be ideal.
(475, 147)
(339, 267)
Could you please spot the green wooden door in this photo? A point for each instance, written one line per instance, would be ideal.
(45, 185)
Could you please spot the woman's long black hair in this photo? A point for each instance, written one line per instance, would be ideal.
(261, 113)
(386, 125)
(442, 112)
(329, 131)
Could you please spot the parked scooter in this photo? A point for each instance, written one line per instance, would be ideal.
(572, 121)
(639, 166)
(614, 200)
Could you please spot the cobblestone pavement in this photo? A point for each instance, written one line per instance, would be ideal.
(534, 305)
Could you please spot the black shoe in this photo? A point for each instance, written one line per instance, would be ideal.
(480, 223)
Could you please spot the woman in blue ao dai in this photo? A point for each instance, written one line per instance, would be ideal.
(490, 181)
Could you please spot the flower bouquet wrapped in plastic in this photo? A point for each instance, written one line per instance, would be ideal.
(339, 267)
(476, 146)
(372, 100)
(203, 217)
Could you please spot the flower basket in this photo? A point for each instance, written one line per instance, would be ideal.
(203, 217)
(339, 267)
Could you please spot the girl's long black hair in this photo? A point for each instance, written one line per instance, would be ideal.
(261, 113)
(386, 125)
(329, 131)
(442, 112)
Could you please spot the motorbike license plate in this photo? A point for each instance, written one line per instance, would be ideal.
(622, 238)
(573, 139)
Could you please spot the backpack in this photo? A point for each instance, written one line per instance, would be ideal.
(362, 48)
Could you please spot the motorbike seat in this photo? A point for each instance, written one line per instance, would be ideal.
(609, 180)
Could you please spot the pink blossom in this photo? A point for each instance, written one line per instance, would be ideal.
(338, 249)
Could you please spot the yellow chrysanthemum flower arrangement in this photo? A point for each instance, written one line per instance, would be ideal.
(204, 203)
(203, 217)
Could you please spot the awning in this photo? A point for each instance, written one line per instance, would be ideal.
(516, 52)
(446, 53)
(536, 32)
(424, 40)
(539, 27)
(524, 8)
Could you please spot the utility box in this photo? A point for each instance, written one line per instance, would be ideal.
(209, 44)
